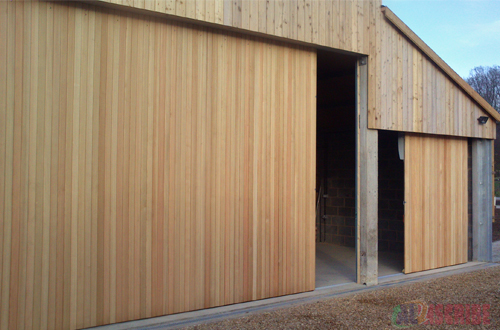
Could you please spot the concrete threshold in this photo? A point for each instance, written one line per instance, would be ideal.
(215, 314)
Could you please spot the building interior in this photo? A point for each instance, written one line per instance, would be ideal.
(336, 182)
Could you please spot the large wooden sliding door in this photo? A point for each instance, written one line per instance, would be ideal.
(436, 202)
(148, 167)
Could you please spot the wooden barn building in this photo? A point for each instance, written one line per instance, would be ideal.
(165, 156)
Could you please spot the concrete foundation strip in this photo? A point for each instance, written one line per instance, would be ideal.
(181, 320)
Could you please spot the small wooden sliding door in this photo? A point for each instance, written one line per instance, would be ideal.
(436, 202)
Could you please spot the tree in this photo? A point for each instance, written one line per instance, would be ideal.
(486, 81)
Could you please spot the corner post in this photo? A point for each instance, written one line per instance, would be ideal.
(366, 184)
(482, 200)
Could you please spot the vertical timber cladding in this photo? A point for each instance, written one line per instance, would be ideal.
(436, 202)
(342, 24)
(414, 95)
(150, 167)
(407, 90)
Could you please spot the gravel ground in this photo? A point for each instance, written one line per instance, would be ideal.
(373, 310)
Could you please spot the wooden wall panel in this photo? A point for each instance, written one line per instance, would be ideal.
(436, 202)
(335, 23)
(418, 97)
(407, 91)
(147, 167)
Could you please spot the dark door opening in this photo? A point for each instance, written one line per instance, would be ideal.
(391, 194)
(335, 169)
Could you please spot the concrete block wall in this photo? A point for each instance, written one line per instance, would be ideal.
(339, 169)
(336, 171)
(391, 194)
